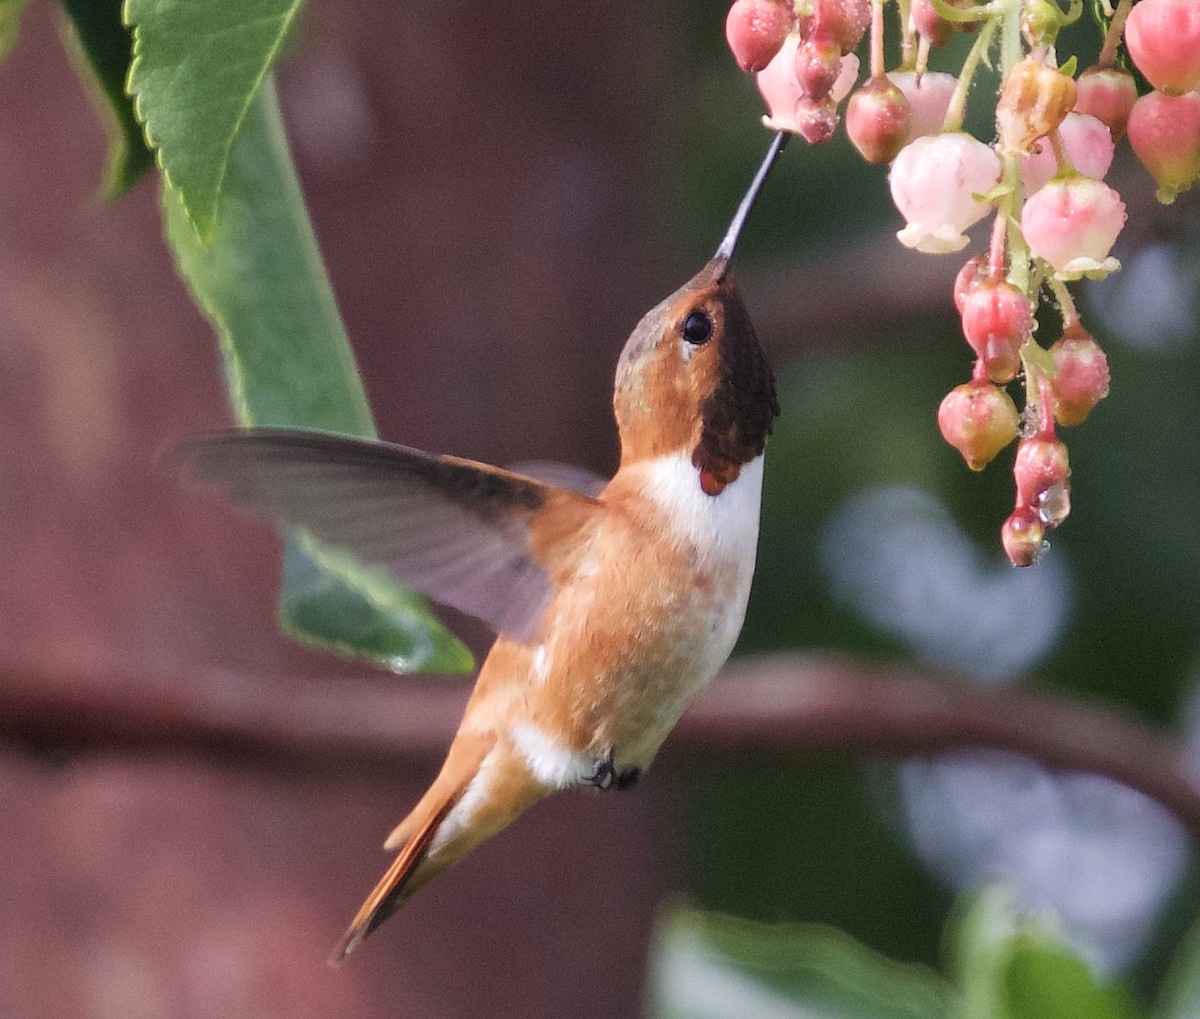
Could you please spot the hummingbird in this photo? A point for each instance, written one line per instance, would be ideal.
(614, 603)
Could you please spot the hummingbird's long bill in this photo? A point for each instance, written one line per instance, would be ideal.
(724, 250)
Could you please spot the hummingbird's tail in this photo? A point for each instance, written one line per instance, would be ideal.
(481, 788)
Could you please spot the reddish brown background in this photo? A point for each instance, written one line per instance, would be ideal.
(190, 807)
(477, 176)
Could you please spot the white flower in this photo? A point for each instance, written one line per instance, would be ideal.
(781, 90)
(928, 101)
(934, 182)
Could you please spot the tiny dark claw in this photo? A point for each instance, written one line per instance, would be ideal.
(606, 775)
(628, 779)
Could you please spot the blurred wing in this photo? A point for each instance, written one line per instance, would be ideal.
(489, 542)
(560, 475)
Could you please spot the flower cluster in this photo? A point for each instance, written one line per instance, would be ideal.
(1040, 178)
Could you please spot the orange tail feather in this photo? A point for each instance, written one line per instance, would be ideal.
(419, 830)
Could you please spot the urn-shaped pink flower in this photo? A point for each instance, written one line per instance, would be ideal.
(934, 183)
(978, 419)
(1088, 144)
(928, 99)
(1072, 223)
(877, 120)
(1164, 132)
(997, 319)
(1108, 94)
(1081, 375)
(1023, 537)
(845, 21)
(1163, 37)
(756, 29)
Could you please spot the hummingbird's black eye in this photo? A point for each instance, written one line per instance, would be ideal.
(697, 328)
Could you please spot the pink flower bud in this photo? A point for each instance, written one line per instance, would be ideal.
(969, 277)
(934, 182)
(1041, 467)
(930, 24)
(782, 93)
(755, 30)
(877, 120)
(816, 120)
(1163, 37)
(845, 21)
(1165, 134)
(929, 101)
(1033, 102)
(1023, 537)
(997, 319)
(1087, 143)
(1080, 376)
(1108, 94)
(1072, 223)
(818, 64)
(979, 420)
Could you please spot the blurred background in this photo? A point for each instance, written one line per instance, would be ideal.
(192, 806)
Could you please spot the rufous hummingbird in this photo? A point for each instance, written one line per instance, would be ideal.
(613, 604)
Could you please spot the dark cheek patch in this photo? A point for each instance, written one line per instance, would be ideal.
(738, 414)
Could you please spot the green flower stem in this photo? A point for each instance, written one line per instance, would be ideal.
(877, 68)
(1063, 164)
(958, 101)
(1066, 303)
(1035, 359)
(1112, 38)
(907, 44)
(963, 15)
(1010, 37)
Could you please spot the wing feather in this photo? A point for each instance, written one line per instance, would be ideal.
(467, 534)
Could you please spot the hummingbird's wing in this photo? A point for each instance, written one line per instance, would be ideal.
(490, 542)
(560, 475)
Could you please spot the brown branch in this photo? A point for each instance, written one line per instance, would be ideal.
(790, 704)
(781, 704)
(220, 710)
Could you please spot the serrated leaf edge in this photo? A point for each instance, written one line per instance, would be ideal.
(206, 233)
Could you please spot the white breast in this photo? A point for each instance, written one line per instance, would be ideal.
(724, 526)
(722, 532)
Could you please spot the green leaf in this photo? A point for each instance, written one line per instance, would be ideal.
(1012, 965)
(288, 363)
(196, 70)
(1042, 978)
(10, 24)
(706, 965)
(332, 603)
(105, 46)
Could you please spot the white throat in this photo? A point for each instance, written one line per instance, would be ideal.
(724, 525)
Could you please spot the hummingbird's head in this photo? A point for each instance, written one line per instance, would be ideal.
(693, 377)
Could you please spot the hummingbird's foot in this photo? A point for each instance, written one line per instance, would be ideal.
(606, 775)
(628, 779)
